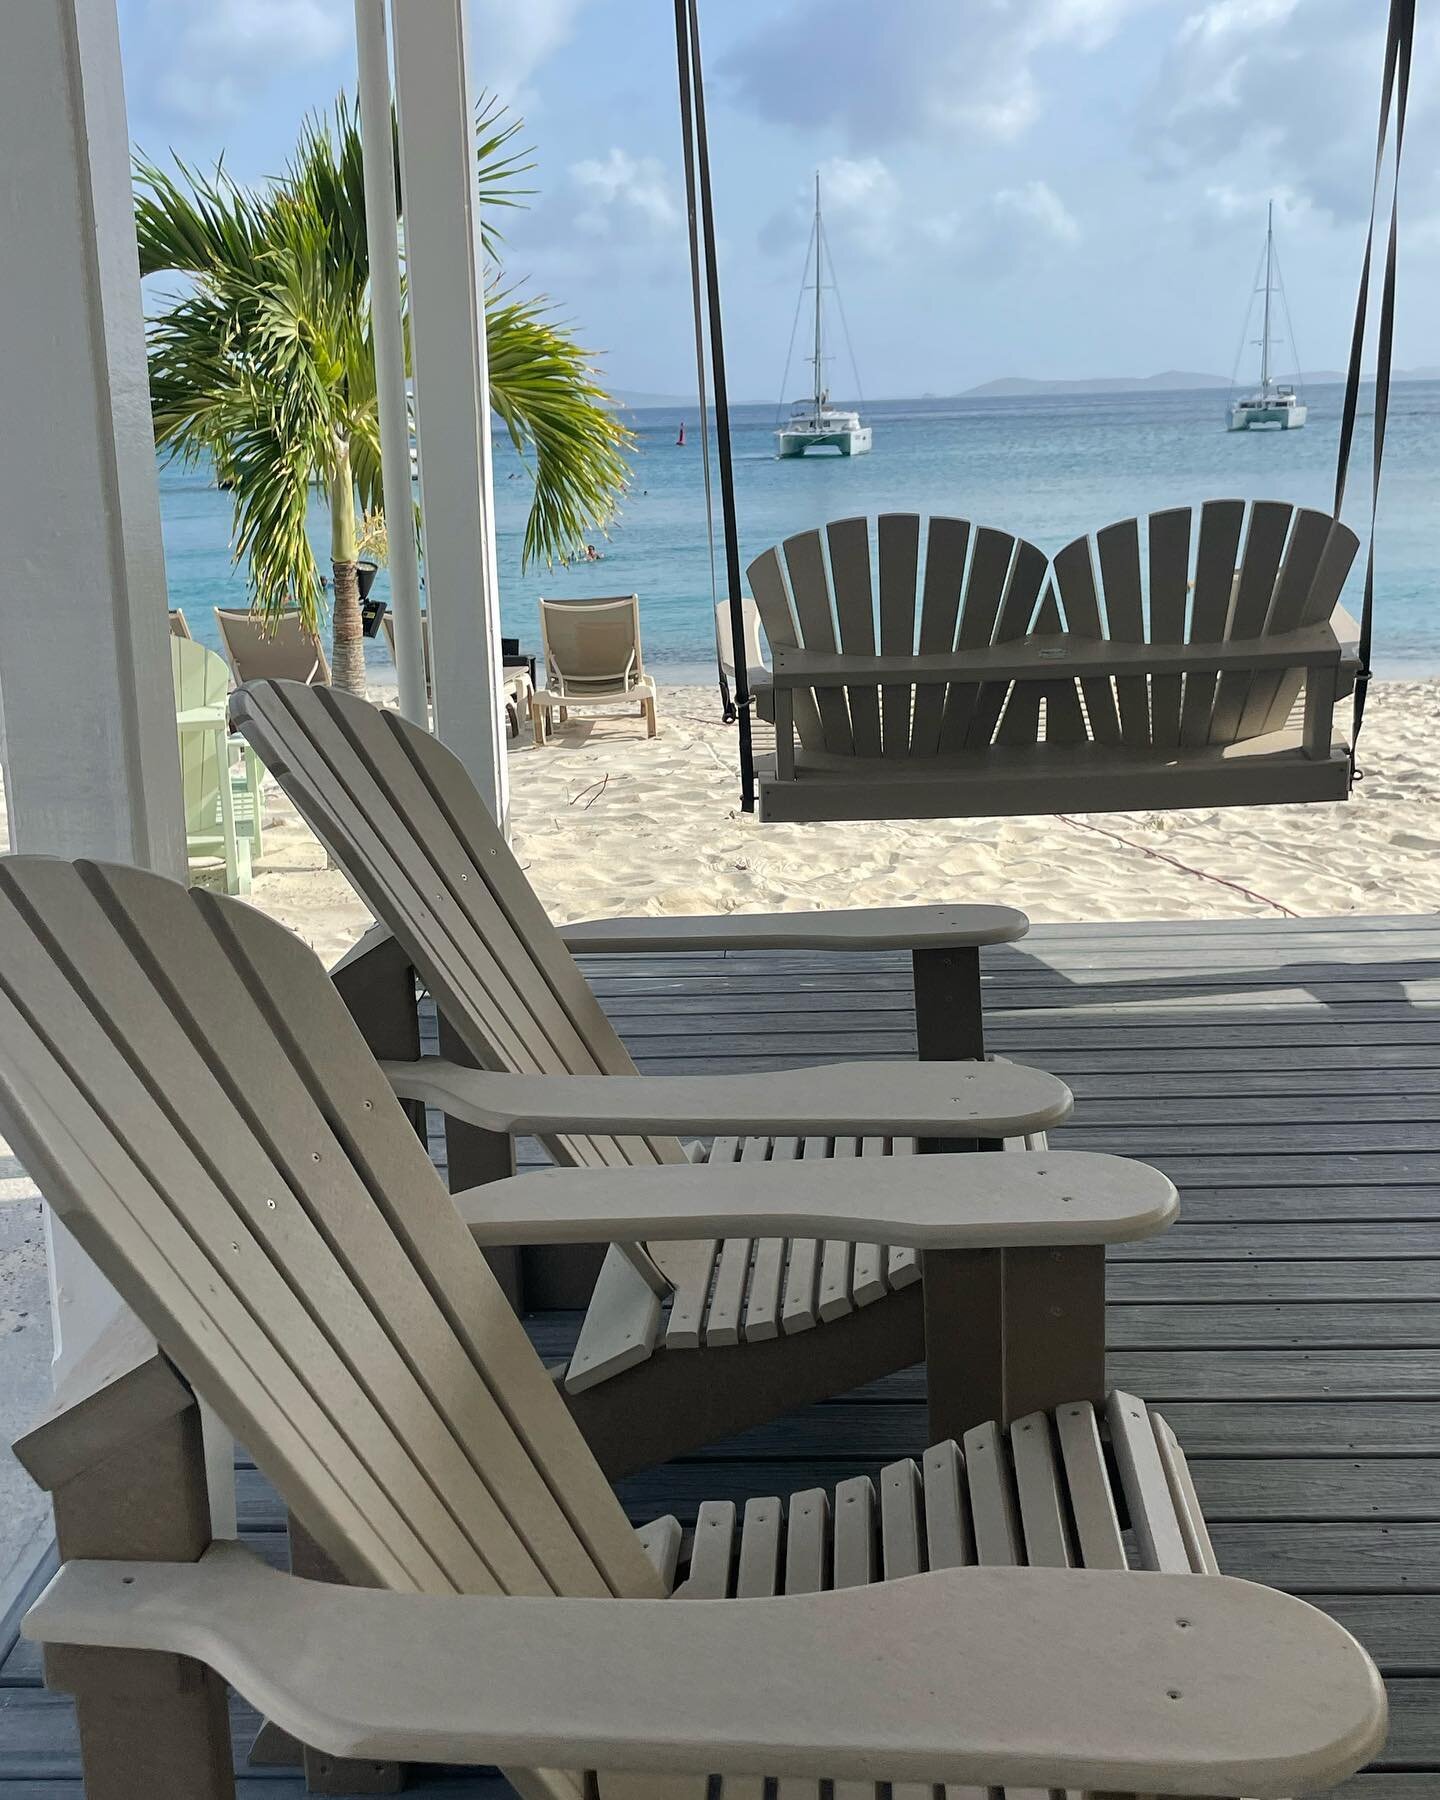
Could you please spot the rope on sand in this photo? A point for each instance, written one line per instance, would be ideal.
(1175, 863)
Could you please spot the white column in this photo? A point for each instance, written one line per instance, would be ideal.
(380, 230)
(91, 766)
(444, 269)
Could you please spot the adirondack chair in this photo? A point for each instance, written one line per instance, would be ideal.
(1106, 681)
(754, 1327)
(220, 778)
(301, 1264)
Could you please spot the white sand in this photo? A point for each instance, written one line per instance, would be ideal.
(607, 822)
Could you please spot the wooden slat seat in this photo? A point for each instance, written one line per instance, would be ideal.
(1074, 1488)
(400, 816)
(1128, 673)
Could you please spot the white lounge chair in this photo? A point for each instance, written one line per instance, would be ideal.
(756, 668)
(181, 1079)
(592, 660)
(179, 624)
(1108, 680)
(285, 649)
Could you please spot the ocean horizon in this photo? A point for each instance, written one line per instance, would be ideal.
(1047, 467)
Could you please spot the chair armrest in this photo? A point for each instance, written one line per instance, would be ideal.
(934, 1099)
(1027, 1197)
(853, 928)
(1063, 654)
(1044, 1678)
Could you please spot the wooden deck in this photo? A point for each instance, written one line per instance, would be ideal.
(1287, 1077)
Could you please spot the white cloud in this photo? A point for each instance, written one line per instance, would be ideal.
(1270, 97)
(510, 39)
(620, 192)
(882, 74)
(1036, 205)
(204, 64)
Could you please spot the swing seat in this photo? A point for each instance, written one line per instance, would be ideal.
(1154, 665)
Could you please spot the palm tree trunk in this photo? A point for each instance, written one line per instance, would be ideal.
(347, 662)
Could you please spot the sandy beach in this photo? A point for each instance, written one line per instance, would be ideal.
(607, 822)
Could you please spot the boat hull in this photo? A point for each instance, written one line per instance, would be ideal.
(848, 443)
(1282, 418)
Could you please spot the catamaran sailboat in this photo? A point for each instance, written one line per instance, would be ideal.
(1273, 403)
(815, 424)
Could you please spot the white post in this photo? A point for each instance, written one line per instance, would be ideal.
(92, 766)
(389, 328)
(91, 762)
(446, 277)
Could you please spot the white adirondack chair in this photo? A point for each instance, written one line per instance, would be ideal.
(181, 1079)
(753, 1328)
(1154, 669)
(220, 777)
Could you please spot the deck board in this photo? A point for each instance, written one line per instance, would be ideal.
(1286, 1074)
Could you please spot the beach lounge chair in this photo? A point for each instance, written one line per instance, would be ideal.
(756, 667)
(592, 659)
(179, 624)
(516, 682)
(219, 774)
(279, 650)
(753, 1328)
(182, 1081)
(1108, 680)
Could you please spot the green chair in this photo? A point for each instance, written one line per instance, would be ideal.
(220, 774)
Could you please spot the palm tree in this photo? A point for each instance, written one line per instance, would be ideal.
(264, 362)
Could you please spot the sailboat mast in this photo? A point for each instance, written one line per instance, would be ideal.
(819, 396)
(1265, 332)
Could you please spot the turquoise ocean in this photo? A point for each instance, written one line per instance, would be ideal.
(1047, 468)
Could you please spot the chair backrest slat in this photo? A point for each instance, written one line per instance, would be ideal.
(406, 825)
(1018, 700)
(1255, 580)
(810, 585)
(898, 541)
(849, 545)
(991, 553)
(1216, 556)
(946, 547)
(187, 1083)
(199, 679)
(1169, 548)
(1317, 562)
(1074, 576)
(1118, 548)
(766, 576)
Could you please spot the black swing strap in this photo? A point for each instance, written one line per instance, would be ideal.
(1394, 95)
(700, 207)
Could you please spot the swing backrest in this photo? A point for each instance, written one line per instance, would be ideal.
(1225, 572)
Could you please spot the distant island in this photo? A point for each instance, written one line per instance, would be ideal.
(631, 400)
(1015, 387)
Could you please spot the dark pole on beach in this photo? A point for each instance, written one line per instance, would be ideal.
(697, 159)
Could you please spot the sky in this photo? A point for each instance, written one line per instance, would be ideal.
(1052, 188)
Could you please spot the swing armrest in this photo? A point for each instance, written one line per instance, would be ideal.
(973, 1675)
(851, 928)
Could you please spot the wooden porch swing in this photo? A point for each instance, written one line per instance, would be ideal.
(1194, 657)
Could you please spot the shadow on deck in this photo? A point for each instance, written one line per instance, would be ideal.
(1286, 1076)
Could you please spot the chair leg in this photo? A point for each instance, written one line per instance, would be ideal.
(649, 711)
(537, 722)
(152, 1726)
